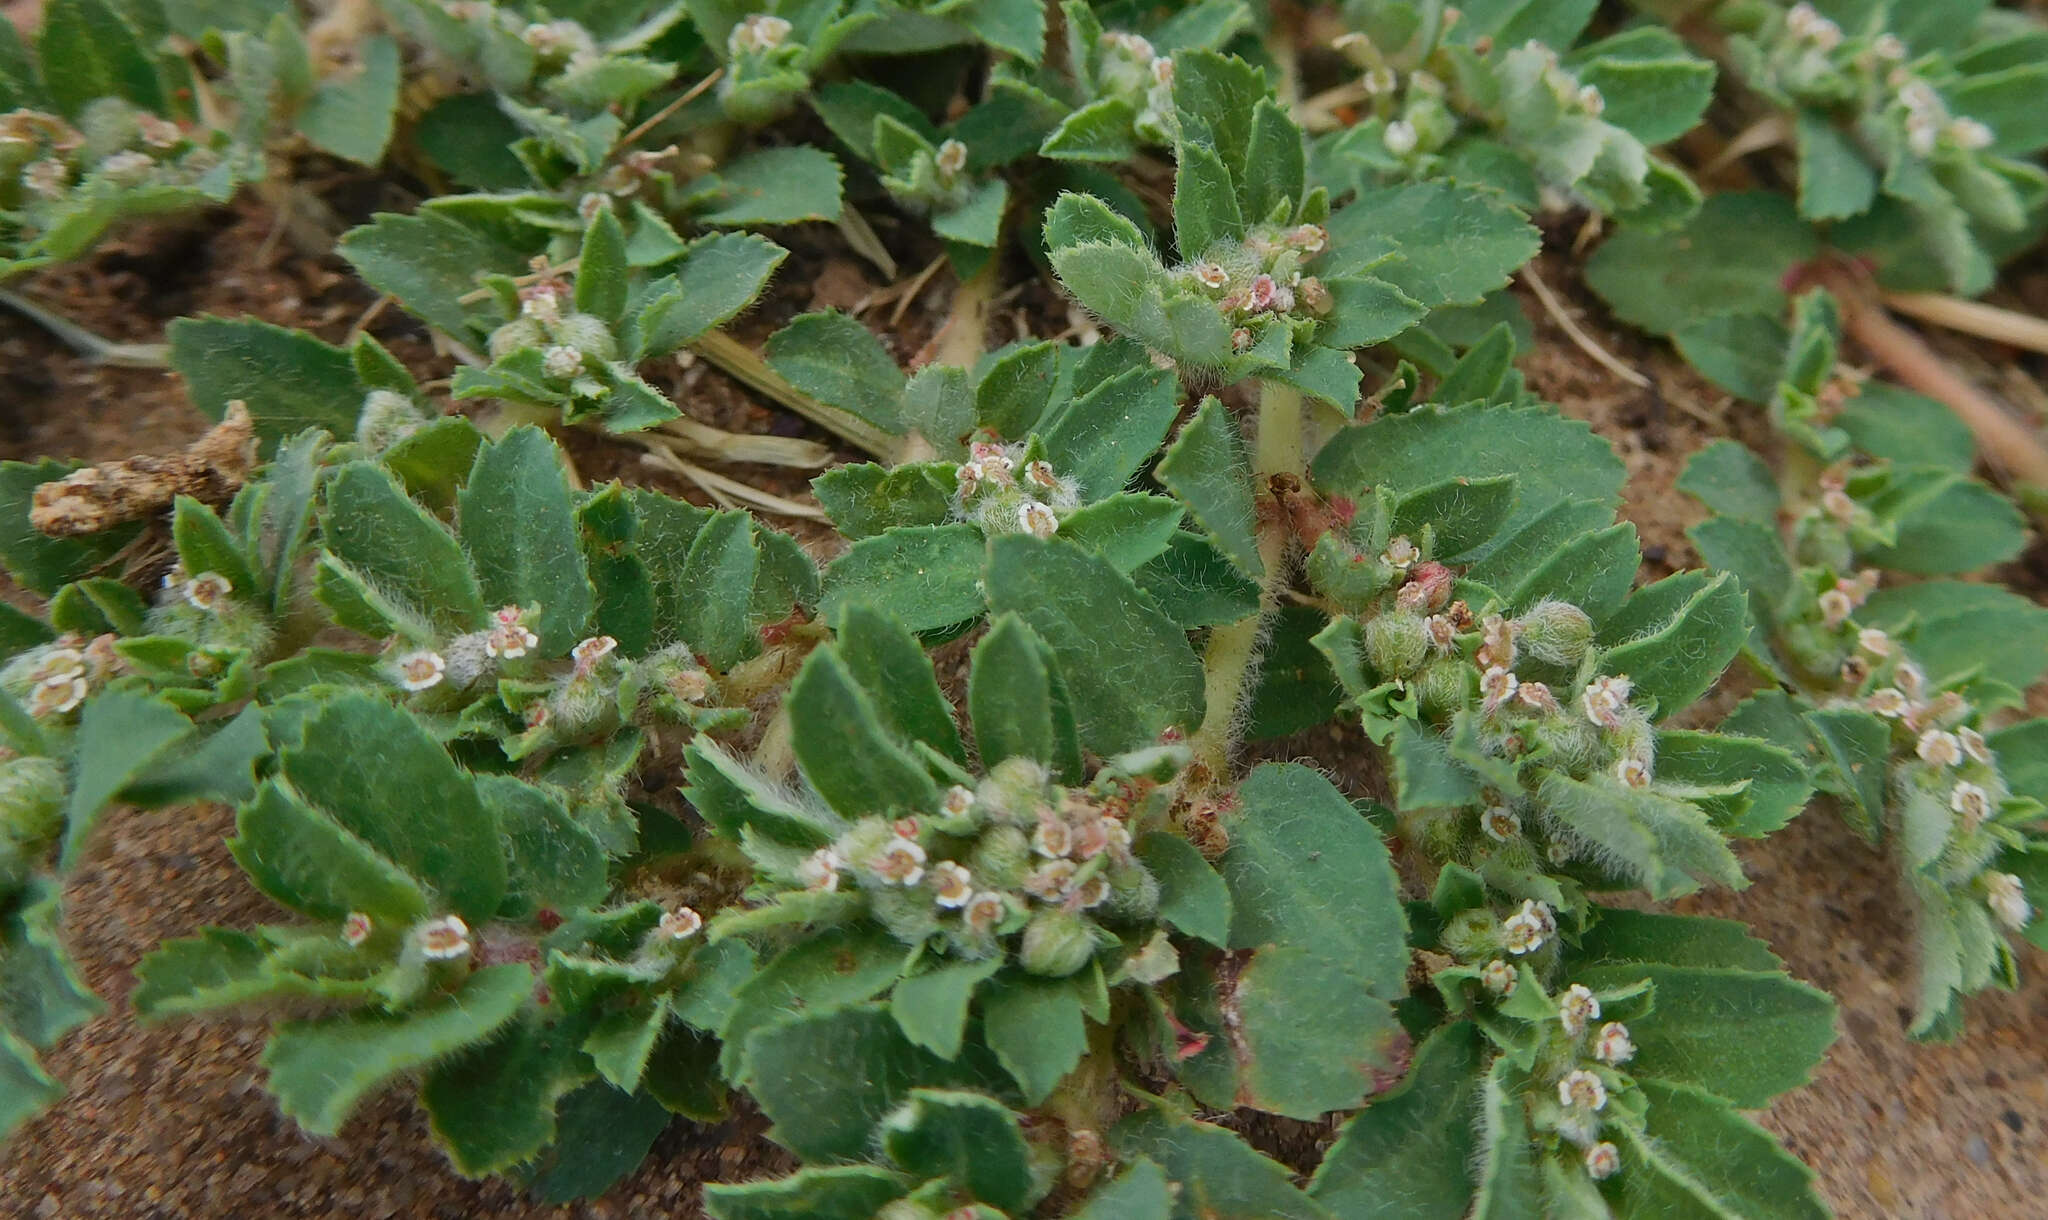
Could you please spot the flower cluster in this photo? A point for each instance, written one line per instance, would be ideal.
(1017, 855)
(573, 346)
(1262, 275)
(54, 679)
(1128, 68)
(1004, 489)
(114, 148)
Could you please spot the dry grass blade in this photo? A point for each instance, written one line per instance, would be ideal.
(1972, 318)
(728, 492)
(715, 444)
(1577, 334)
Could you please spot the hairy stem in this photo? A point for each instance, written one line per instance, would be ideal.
(1229, 662)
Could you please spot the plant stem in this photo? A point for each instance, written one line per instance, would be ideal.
(1229, 661)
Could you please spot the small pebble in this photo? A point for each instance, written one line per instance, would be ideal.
(1978, 1149)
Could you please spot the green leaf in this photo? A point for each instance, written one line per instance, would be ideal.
(91, 49)
(1036, 1029)
(1204, 205)
(1405, 1156)
(1425, 776)
(1593, 572)
(1681, 660)
(397, 549)
(1192, 895)
(1857, 745)
(25, 1088)
(120, 736)
(1742, 1035)
(1553, 459)
(1462, 513)
(1105, 434)
(1076, 219)
(519, 526)
(493, 1106)
(866, 499)
(835, 359)
(825, 1079)
(1702, 1158)
(1897, 425)
(1743, 353)
(1754, 553)
(931, 1008)
(601, 283)
(1675, 940)
(884, 658)
(1962, 627)
(320, 1069)
(1778, 785)
(601, 1135)
(1098, 131)
(45, 998)
(306, 860)
(1218, 1174)
(717, 278)
(351, 116)
(771, 186)
(1314, 894)
(1196, 585)
(1662, 844)
(1140, 1193)
(430, 261)
(839, 1192)
(733, 798)
(846, 750)
(1129, 667)
(373, 769)
(1129, 529)
(926, 576)
(289, 380)
(1664, 280)
(1206, 466)
(552, 861)
(1455, 244)
(1018, 701)
(1508, 1188)
(971, 1140)
(1946, 523)
(1734, 482)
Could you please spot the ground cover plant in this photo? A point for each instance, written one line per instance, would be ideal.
(944, 837)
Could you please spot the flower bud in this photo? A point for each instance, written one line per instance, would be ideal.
(908, 914)
(1395, 644)
(588, 334)
(386, 418)
(1001, 857)
(1056, 943)
(1444, 686)
(1555, 632)
(31, 800)
(520, 333)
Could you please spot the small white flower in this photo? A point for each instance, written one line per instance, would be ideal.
(561, 362)
(1889, 47)
(681, 923)
(1498, 686)
(952, 885)
(1522, 932)
(1401, 553)
(1540, 912)
(1835, 607)
(2008, 900)
(1632, 772)
(1442, 633)
(443, 939)
(1614, 1046)
(1380, 80)
(510, 639)
(1970, 134)
(1939, 749)
(1582, 1090)
(158, 133)
(820, 870)
(1092, 893)
(1923, 133)
(1889, 702)
(1308, 238)
(1118, 834)
(58, 693)
(1874, 642)
(1400, 137)
(1496, 642)
(758, 32)
(541, 302)
(1037, 520)
(958, 800)
(1591, 101)
(355, 929)
(1971, 803)
(968, 479)
(207, 591)
(1605, 700)
(47, 178)
(985, 910)
(1974, 745)
(1212, 276)
(1162, 71)
(1499, 978)
(1603, 1161)
(1051, 881)
(1911, 679)
(1501, 824)
(1053, 839)
(127, 168)
(1537, 696)
(1577, 1010)
(951, 159)
(417, 671)
(899, 862)
(588, 653)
